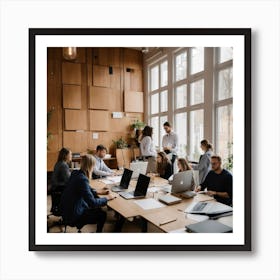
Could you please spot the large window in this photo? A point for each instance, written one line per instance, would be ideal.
(192, 89)
(158, 99)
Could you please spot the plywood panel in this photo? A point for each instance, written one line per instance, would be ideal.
(99, 120)
(133, 80)
(119, 125)
(75, 141)
(136, 82)
(133, 59)
(75, 119)
(115, 81)
(71, 73)
(100, 98)
(53, 143)
(133, 101)
(107, 56)
(103, 139)
(51, 160)
(72, 96)
(115, 101)
(101, 77)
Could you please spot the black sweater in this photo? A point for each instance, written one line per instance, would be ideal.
(220, 183)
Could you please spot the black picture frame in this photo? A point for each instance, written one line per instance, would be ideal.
(34, 33)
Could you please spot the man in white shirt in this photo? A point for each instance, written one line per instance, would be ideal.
(170, 142)
(101, 169)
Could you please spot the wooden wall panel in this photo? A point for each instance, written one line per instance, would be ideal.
(51, 160)
(101, 77)
(71, 73)
(99, 120)
(133, 59)
(72, 96)
(100, 98)
(103, 139)
(75, 141)
(75, 120)
(53, 143)
(115, 78)
(133, 101)
(107, 56)
(119, 125)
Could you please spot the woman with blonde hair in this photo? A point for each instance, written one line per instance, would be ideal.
(80, 204)
(183, 165)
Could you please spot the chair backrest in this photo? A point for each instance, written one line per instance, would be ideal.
(56, 197)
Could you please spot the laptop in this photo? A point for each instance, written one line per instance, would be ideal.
(182, 184)
(138, 167)
(208, 208)
(124, 183)
(140, 190)
(169, 199)
(208, 226)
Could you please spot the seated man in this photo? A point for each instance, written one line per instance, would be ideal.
(101, 169)
(218, 182)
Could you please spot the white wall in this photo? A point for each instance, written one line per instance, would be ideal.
(17, 262)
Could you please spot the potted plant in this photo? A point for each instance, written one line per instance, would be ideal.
(120, 143)
(137, 127)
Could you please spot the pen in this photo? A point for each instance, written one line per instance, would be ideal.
(167, 222)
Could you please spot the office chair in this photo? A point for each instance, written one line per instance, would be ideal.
(55, 208)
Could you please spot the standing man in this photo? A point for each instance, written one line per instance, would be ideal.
(218, 182)
(101, 169)
(170, 143)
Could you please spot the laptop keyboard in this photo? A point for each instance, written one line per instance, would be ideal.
(126, 194)
(199, 206)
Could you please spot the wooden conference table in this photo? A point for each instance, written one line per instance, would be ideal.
(169, 218)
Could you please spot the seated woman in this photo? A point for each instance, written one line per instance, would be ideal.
(80, 205)
(61, 172)
(183, 165)
(164, 166)
(60, 177)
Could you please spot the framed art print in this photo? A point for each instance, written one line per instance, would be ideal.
(90, 87)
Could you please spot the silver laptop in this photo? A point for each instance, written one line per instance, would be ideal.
(138, 167)
(182, 184)
(140, 189)
(208, 208)
(124, 183)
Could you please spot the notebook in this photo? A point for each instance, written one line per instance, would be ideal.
(208, 208)
(140, 189)
(182, 183)
(124, 183)
(169, 199)
(138, 167)
(208, 226)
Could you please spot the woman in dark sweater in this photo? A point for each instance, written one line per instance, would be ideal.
(61, 172)
(164, 166)
(80, 204)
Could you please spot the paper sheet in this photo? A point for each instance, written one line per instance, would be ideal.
(149, 203)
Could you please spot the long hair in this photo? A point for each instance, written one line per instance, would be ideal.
(63, 153)
(161, 166)
(207, 144)
(87, 163)
(147, 131)
(184, 164)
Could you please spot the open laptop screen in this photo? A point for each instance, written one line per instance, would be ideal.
(142, 185)
(126, 178)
